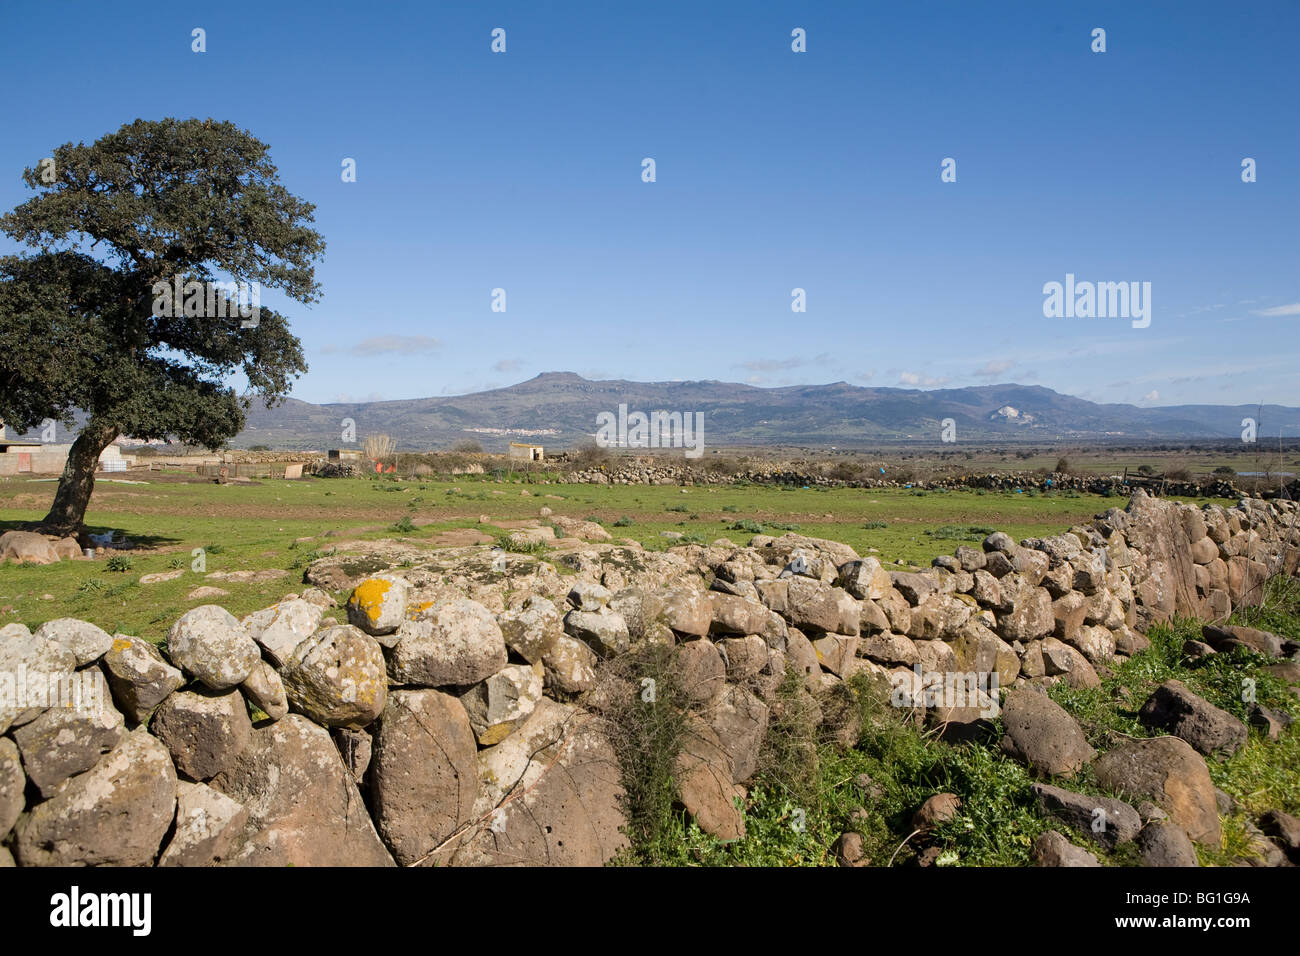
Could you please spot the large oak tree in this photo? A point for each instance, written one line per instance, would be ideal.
(189, 200)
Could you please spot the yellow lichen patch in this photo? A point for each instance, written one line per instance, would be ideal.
(120, 645)
(368, 597)
(414, 611)
(495, 734)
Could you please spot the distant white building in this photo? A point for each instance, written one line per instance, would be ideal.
(526, 452)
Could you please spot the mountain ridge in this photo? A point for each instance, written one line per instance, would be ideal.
(560, 408)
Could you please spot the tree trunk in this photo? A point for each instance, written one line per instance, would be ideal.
(78, 481)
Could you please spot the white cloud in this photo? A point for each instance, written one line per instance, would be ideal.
(1292, 309)
(1151, 396)
(507, 365)
(992, 369)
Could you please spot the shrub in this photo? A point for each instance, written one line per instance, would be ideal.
(643, 708)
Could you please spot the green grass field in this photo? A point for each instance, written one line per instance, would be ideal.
(284, 524)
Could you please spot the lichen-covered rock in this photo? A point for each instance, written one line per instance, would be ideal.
(264, 689)
(114, 814)
(819, 607)
(24, 654)
(138, 676)
(86, 642)
(499, 704)
(736, 615)
(204, 730)
(570, 816)
(208, 824)
(210, 643)
(378, 605)
(282, 627)
(604, 631)
(303, 808)
(866, 579)
(570, 666)
(423, 772)
(70, 739)
(12, 784)
(337, 677)
(456, 642)
(519, 760)
(744, 657)
(532, 629)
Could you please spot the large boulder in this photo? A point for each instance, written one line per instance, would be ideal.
(27, 547)
(205, 730)
(303, 808)
(1224, 637)
(866, 579)
(1167, 771)
(378, 605)
(533, 628)
(452, 642)
(519, 760)
(1166, 581)
(337, 677)
(208, 825)
(815, 606)
(139, 676)
(736, 615)
(1043, 735)
(210, 643)
(1031, 615)
(86, 642)
(114, 814)
(1173, 708)
(569, 816)
(570, 666)
(739, 719)
(23, 658)
(423, 775)
(501, 703)
(704, 778)
(282, 627)
(67, 740)
(603, 630)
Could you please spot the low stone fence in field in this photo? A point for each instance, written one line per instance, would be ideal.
(460, 716)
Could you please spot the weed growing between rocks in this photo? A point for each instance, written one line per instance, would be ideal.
(643, 706)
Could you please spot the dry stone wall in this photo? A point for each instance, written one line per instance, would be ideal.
(455, 717)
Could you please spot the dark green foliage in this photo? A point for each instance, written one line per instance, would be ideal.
(154, 202)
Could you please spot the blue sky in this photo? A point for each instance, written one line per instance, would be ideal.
(775, 170)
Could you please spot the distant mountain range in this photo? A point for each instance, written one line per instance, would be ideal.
(560, 409)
